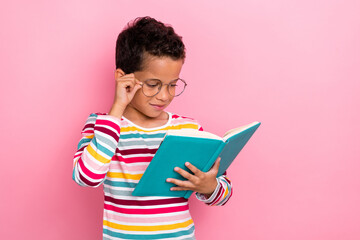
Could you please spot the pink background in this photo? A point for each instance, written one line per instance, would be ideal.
(292, 65)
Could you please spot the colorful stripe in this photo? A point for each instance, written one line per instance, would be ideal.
(115, 153)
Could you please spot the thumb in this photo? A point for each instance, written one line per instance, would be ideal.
(215, 167)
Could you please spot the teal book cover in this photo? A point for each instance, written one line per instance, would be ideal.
(197, 147)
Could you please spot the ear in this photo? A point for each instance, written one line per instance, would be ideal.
(119, 73)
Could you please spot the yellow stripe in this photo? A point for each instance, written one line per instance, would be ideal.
(132, 128)
(124, 175)
(147, 228)
(226, 192)
(90, 136)
(96, 155)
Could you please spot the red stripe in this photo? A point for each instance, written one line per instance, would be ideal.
(133, 159)
(108, 132)
(108, 123)
(90, 174)
(218, 196)
(136, 151)
(145, 202)
(147, 211)
(100, 113)
(227, 180)
(87, 182)
(90, 127)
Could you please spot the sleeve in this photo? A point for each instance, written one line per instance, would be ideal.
(97, 146)
(222, 193)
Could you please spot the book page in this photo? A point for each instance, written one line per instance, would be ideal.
(235, 131)
(193, 133)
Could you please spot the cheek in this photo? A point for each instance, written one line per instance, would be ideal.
(139, 98)
(170, 99)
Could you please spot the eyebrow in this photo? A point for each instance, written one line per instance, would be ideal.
(160, 79)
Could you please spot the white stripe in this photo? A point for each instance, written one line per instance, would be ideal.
(147, 232)
(149, 223)
(139, 207)
(147, 216)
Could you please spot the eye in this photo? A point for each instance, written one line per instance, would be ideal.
(152, 83)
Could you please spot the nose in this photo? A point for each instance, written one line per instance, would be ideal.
(163, 94)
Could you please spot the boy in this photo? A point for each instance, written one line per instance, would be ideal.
(116, 147)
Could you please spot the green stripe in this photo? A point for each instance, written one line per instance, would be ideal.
(109, 152)
(139, 135)
(120, 184)
(82, 141)
(149, 236)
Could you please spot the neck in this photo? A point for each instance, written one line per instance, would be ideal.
(136, 116)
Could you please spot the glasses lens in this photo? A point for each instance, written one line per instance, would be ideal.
(151, 87)
(177, 87)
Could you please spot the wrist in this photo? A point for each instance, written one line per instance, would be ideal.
(213, 188)
(117, 110)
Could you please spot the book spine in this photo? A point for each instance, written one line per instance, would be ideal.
(208, 165)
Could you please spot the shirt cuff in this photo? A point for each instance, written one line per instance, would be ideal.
(203, 198)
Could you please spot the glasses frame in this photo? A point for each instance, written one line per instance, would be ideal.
(162, 84)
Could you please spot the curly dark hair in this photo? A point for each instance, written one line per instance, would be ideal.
(143, 38)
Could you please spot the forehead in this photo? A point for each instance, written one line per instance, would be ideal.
(163, 68)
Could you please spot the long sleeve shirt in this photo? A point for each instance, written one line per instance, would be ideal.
(115, 153)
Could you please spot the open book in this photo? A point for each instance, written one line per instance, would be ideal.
(200, 148)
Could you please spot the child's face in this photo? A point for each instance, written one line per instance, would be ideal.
(164, 69)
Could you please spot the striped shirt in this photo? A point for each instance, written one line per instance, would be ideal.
(114, 153)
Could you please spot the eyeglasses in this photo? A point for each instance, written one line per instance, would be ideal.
(151, 87)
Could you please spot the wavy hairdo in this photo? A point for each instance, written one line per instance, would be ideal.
(145, 36)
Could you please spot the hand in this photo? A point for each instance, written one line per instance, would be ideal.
(201, 182)
(126, 87)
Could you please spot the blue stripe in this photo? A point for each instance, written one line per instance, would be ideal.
(109, 152)
(82, 141)
(120, 184)
(149, 236)
(139, 135)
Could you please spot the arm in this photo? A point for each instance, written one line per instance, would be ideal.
(222, 193)
(212, 190)
(95, 150)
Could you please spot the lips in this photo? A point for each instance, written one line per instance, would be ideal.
(158, 107)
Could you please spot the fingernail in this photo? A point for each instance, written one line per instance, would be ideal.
(176, 168)
(187, 164)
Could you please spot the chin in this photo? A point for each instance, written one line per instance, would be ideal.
(153, 114)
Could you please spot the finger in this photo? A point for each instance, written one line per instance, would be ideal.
(130, 76)
(179, 183)
(193, 169)
(131, 82)
(138, 81)
(185, 174)
(126, 84)
(180, 189)
(135, 89)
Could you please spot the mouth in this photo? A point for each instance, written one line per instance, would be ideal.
(158, 107)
